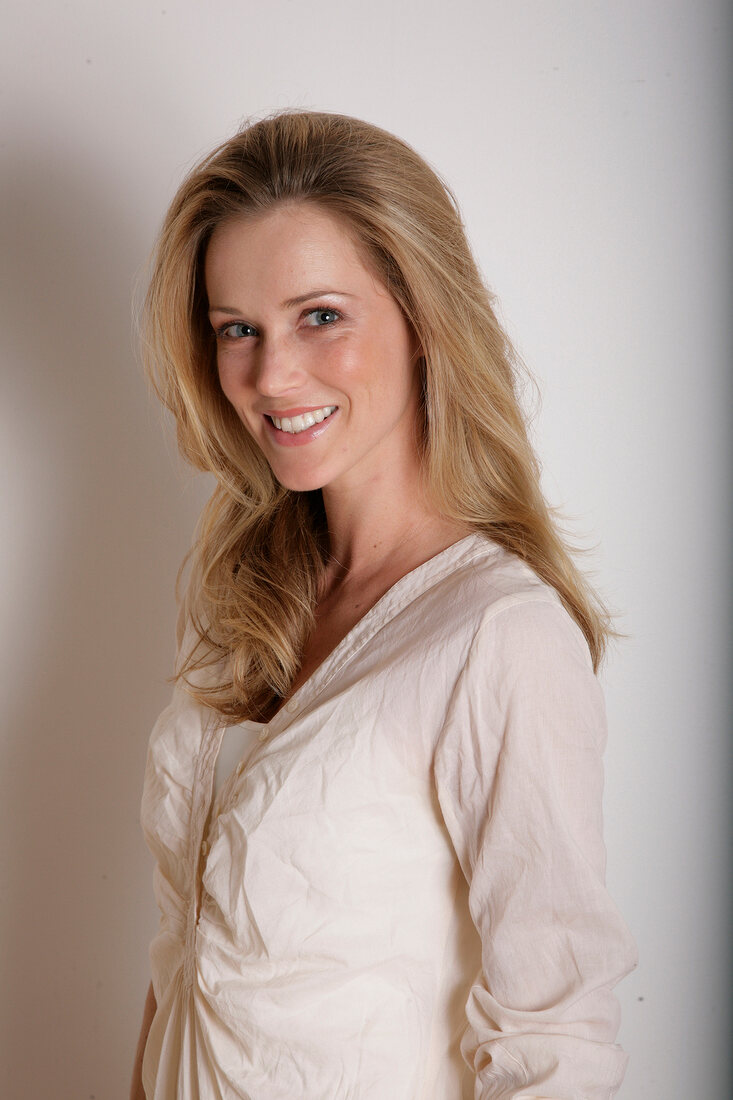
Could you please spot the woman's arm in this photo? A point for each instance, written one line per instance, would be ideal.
(136, 1088)
(519, 778)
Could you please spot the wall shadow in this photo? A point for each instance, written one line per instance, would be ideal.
(98, 517)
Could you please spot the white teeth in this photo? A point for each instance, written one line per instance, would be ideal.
(295, 424)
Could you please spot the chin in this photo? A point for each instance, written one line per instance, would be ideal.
(299, 483)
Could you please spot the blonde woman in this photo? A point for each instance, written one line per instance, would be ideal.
(375, 799)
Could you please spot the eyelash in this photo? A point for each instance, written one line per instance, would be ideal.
(222, 332)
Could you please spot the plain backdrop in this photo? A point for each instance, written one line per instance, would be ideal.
(587, 144)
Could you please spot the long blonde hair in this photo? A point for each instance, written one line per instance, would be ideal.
(260, 549)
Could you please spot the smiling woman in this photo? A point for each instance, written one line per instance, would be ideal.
(375, 799)
(331, 371)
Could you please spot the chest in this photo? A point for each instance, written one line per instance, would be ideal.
(335, 618)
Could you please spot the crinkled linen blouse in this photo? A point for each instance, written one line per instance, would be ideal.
(398, 893)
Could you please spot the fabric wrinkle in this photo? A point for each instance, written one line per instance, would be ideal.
(392, 903)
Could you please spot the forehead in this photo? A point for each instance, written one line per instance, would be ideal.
(298, 241)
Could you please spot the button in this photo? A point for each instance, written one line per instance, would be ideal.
(264, 733)
(204, 848)
(291, 707)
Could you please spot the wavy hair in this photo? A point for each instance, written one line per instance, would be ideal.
(260, 550)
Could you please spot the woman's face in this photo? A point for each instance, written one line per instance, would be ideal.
(312, 351)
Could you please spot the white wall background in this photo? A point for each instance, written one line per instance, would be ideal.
(586, 141)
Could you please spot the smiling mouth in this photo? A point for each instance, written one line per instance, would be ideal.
(295, 424)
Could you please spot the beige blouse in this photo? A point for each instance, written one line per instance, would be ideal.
(398, 892)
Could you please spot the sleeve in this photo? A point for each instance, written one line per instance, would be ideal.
(519, 779)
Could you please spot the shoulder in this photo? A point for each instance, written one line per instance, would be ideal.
(508, 603)
(480, 604)
(527, 654)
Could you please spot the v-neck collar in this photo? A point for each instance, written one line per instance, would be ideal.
(397, 597)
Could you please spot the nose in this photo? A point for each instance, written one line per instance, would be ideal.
(277, 368)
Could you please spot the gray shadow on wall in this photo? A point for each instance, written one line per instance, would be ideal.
(97, 521)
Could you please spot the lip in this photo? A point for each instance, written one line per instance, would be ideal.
(285, 439)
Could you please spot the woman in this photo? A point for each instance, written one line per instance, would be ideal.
(375, 800)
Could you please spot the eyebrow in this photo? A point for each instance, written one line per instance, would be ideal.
(289, 303)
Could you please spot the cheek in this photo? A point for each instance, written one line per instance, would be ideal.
(230, 384)
(230, 378)
(360, 359)
(395, 374)
(225, 387)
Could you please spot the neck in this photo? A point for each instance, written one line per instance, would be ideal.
(386, 526)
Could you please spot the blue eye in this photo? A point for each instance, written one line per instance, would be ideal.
(237, 331)
(319, 318)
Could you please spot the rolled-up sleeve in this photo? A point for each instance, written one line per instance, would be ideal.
(519, 778)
